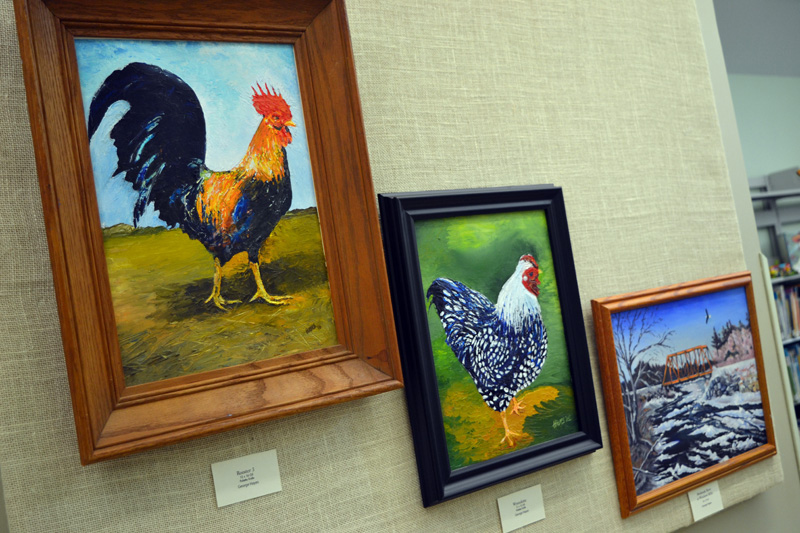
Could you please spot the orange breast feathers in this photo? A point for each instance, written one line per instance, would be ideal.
(218, 199)
(264, 161)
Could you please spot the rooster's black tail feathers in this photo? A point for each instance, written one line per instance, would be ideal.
(161, 139)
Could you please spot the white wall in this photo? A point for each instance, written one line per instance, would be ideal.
(768, 114)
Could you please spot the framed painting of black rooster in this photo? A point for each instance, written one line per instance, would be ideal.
(684, 385)
(210, 214)
(496, 366)
(167, 216)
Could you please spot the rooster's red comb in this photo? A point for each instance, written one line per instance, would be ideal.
(270, 103)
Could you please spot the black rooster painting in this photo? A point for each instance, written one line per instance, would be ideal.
(161, 149)
(503, 346)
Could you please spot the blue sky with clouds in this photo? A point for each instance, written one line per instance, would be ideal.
(221, 74)
(688, 318)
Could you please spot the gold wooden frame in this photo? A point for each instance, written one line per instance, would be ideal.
(602, 310)
(112, 419)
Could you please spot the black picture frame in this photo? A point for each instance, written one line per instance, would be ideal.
(399, 212)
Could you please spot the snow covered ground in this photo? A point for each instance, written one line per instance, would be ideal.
(697, 424)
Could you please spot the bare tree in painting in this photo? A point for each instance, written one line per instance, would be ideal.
(637, 334)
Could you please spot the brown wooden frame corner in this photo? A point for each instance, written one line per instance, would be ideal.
(602, 309)
(112, 419)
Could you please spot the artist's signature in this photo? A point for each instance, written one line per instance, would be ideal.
(557, 423)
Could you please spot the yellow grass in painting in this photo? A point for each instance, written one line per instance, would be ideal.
(161, 278)
(477, 430)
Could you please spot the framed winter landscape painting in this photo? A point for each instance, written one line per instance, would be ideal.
(491, 335)
(684, 386)
(210, 214)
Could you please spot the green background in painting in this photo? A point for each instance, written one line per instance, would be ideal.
(482, 252)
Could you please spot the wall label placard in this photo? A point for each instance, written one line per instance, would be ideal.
(705, 501)
(521, 508)
(244, 478)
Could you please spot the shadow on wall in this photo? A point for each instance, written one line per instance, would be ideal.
(3, 516)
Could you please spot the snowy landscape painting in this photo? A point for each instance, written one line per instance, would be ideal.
(690, 384)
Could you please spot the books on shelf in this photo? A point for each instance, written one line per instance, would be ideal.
(792, 353)
(787, 302)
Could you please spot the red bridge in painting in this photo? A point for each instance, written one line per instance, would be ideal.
(686, 365)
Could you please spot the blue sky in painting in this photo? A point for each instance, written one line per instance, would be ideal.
(221, 75)
(688, 317)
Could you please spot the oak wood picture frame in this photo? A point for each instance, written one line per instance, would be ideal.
(603, 310)
(399, 214)
(114, 420)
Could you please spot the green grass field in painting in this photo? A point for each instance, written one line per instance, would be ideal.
(160, 279)
(482, 252)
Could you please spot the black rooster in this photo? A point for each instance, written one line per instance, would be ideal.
(161, 149)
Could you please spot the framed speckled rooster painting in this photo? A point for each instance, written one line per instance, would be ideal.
(491, 334)
(210, 214)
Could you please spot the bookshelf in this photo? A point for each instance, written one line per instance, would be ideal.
(776, 204)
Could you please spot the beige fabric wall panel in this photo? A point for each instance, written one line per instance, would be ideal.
(609, 100)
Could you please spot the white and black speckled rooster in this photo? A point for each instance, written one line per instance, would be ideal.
(502, 347)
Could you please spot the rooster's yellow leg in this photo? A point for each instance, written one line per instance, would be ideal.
(516, 406)
(215, 297)
(509, 436)
(261, 292)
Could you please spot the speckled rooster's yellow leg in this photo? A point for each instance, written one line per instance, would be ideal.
(215, 297)
(516, 407)
(509, 436)
(261, 292)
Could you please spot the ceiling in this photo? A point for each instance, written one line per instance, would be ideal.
(760, 36)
